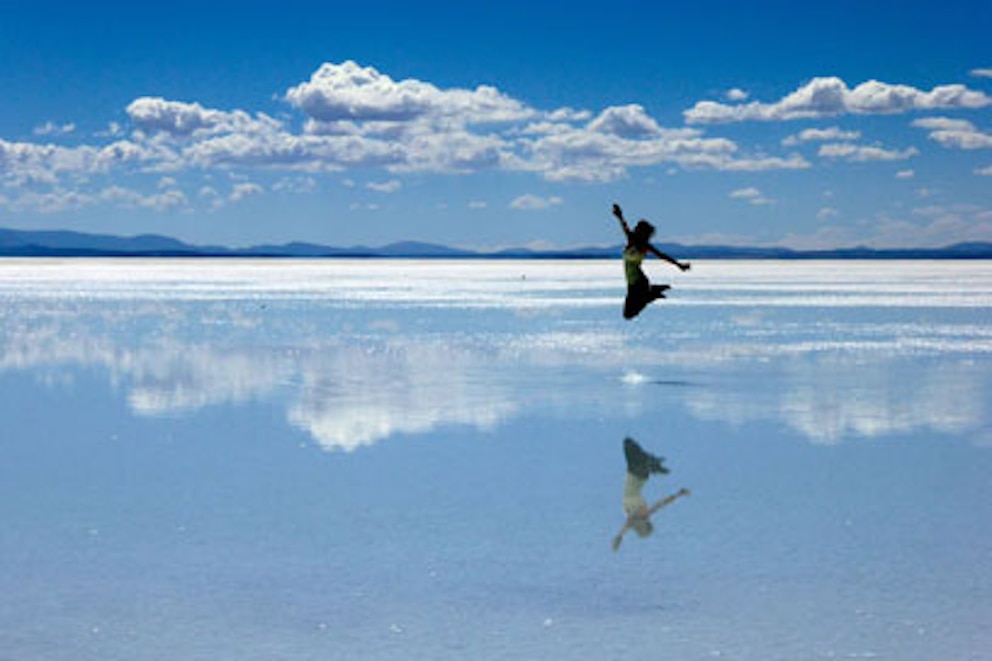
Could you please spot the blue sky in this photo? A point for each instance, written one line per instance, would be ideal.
(493, 124)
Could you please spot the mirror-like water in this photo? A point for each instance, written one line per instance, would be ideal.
(402, 459)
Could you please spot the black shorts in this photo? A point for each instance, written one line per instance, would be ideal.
(639, 295)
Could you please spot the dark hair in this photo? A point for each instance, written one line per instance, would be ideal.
(643, 231)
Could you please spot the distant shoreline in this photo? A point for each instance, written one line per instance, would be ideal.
(65, 244)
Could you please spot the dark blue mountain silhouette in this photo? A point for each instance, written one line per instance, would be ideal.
(57, 243)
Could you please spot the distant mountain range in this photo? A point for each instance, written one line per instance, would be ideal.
(54, 243)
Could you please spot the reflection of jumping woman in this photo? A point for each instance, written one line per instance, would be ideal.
(640, 466)
(640, 291)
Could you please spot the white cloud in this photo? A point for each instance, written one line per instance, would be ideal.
(943, 124)
(113, 130)
(211, 196)
(924, 228)
(830, 96)
(347, 91)
(415, 126)
(23, 162)
(982, 73)
(955, 133)
(530, 202)
(862, 154)
(51, 128)
(390, 186)
(629, 122)
(745, 193)
(624, 137)
(753, 164)
(569, 115)
(164, 201)
(60, 200)
(940, 226)
(295, 184)
(751, 195)
(453, 151)
(826, 213)
(736, 94)
(357, 117)
(182, 120)
(833, 133)
(56, 200)
(985, 172)
(243, 190)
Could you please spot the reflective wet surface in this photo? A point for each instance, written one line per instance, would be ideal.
(378, 459)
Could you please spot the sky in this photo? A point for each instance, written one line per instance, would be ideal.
(488, 125)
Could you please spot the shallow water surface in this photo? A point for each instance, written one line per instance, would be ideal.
(423, 459)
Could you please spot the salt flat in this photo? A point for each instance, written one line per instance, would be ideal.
(385, 459)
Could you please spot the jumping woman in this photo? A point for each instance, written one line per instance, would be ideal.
(640, 291)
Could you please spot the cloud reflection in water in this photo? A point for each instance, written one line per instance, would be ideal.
(350, 378)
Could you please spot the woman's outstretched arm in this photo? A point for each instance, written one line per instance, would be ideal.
(667, 500)
(618, 212)
(685, 266)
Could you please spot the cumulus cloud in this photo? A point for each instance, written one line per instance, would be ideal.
(51, 128)
(348, 91)
(113, 130)
(568, 115)
(830, 96)
(955, 133)
(624, 137)
(751, 195)
(243, 190)
(863, 154)
(164, 201)
(359, 117)
(982, 72)
(985, 172)
(530, 202)
(179, 119)
(347, 116)
(390, 186)
(924, 227)
(30, 162)
(629, 121)
(211, 196)
(295, 184)
(60, 200)
(833, 133)
(56, 200)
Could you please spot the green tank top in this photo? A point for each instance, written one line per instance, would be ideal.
(632, 258)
